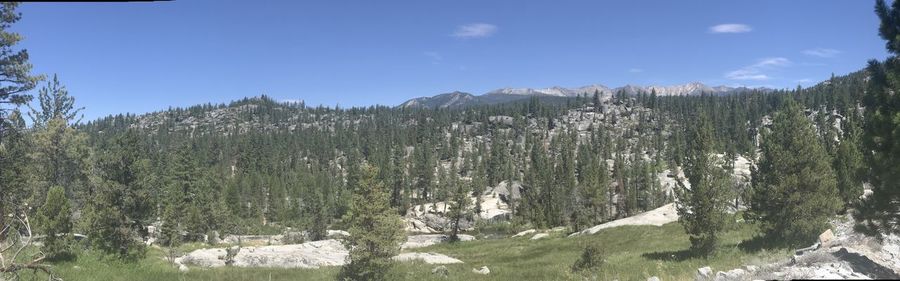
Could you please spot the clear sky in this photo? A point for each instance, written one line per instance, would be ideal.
(142, 57)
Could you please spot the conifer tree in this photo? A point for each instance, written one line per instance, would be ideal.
(794, 187)
(318, 213)
(16, 80)
(881, 211)
(54, 219)
(375, 230)
(15, 69)
(459, 208)
(14, 149)
(592, 197)
(55, 103)
(848, 164)
(701, 208)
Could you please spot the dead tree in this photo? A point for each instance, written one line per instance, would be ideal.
(19, 235)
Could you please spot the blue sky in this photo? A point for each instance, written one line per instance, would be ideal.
(141, 57)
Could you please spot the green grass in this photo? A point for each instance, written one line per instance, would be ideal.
(632, 253)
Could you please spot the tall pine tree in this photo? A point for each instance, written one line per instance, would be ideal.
(794, 188)
(701, 208)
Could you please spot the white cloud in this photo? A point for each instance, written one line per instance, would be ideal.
(804, 81)
(475, 30)
(635, 70)
(770, 62)
(822, 52)
(730, 28)
(756, 70)
(746, 74)
(435, 57)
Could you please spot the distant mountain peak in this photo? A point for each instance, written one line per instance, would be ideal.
(512, 94)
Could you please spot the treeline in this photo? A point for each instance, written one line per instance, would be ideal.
(298, 169)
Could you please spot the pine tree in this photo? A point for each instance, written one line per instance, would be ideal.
(848, 165)
(121, 206)
(15, 171)
(459, 208)
(881, 211)
(55, 103)
(16, 74)
(593, 190)
(60, 153)
(375, 230)
(318, 214)
(794, 188)
(15, 81)
(701, 207)
(107, 226)
(54, 219)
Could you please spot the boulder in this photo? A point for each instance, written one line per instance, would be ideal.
(826, 237)
(214, 238)
(658, 217)
(414, 225)
(704, 273)
(441, 271)
(720, 276)
(523, 233)
(558, 229)
(654, 278)
(307, 255)
(484, 270)
(429, 258)
(732, 275)
(335, 234)
(430, 219)
(425, 240)
(539, 236)
(751, 268)
(508, 191)
(252, 239)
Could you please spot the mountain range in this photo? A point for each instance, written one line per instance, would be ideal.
(462, 99)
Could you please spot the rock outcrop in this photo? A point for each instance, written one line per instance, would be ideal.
(484, 270)
(307, 255)
(434, 218)
(429, 258)
(539, 236)
(841, 253)
(523, 233)
(657, 217)
(425, 240)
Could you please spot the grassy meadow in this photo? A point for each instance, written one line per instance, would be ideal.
(631, 253)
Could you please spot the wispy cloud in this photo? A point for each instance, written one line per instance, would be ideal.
(746, 74)
(730, 28)
(822, 52)
(769, 62)
(804, 81)
(635, 70)
(756, 70)
(475, 30)
(435, 57)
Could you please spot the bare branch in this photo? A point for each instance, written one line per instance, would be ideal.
(37, 262)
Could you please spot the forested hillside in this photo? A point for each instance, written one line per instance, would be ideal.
(740, 170)
(257, 161)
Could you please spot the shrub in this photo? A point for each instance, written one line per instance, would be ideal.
(592, 258)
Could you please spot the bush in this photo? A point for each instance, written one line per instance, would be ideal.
(54, 220)
(592, 258)
(293, 237)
